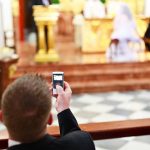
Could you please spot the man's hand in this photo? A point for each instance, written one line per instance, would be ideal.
(63, 98)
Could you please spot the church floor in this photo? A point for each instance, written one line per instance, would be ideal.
(112, 106)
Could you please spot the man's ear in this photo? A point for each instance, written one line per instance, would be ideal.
(1, 116)
(50, 120)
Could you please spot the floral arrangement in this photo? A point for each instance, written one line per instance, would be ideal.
(55, 1)
(103, 1)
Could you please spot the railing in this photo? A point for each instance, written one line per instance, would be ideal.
(101, 130)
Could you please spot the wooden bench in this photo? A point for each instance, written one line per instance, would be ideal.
(101, 130)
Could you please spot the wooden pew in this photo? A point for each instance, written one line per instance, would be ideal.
(101, 130)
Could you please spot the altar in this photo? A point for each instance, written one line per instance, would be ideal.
(92, 35)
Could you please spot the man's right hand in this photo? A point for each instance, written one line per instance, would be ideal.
(63, 98)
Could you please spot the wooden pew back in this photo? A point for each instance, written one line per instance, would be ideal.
(101, 130)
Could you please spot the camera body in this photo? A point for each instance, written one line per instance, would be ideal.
(57, 79)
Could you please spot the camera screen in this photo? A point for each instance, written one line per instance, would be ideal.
(58, 77)
(57, 80)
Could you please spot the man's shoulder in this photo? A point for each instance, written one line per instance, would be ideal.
(77, 140)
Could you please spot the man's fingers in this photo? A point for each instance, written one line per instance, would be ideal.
(67, 87)
(59, 89)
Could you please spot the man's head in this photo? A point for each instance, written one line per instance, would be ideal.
(26, 105)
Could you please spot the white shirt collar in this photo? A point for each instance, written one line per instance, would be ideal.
(13, 143)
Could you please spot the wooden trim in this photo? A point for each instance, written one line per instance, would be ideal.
(115, 129)
(102, 130)
(4, 74)
(21, 20)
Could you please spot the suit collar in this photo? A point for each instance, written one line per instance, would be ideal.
(46, 138)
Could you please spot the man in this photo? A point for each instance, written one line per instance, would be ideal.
(26, 105)
(147, 38)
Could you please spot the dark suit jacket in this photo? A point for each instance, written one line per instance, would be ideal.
(72, 138)
(39, 2)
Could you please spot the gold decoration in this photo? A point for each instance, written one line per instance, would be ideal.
(12, 70)
(75, 6)
(66, 5)
(46, 17)
(97, 33)
(41, 37)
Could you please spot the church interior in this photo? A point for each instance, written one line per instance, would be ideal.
(103, 48)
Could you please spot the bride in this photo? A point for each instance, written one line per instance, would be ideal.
(125, 41)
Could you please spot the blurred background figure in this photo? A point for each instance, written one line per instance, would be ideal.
(125, 41)
(94, 9)
(147, 38)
